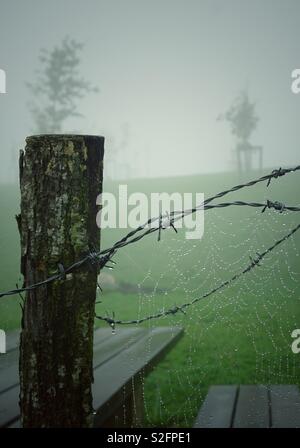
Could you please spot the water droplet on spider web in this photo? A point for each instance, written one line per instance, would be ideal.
(238, 333)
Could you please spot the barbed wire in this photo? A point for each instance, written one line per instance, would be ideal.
(269, 204)
(254, 262)
(101, 258)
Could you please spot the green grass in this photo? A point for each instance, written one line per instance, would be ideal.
(241, 335)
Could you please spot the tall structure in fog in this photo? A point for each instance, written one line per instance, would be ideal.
(243, 120)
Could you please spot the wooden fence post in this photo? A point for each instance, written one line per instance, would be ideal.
(60, 178)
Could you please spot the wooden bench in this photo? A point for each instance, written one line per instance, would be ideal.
(250, 407)
(121, 362)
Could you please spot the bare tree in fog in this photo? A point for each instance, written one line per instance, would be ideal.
(58, 87)
(243, 120)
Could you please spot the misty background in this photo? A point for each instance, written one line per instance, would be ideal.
(165, 71)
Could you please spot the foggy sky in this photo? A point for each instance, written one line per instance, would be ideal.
(165, 69)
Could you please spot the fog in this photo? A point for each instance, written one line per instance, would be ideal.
(165, 70)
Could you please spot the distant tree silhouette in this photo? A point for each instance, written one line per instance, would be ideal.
(243, 120)
(58, 87)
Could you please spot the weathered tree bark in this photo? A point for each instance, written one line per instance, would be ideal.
(60, 178)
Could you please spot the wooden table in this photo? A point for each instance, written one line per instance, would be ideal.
(121, 362)
(253, 406)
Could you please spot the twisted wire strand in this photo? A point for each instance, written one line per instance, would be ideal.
(254, 262)
(135, 235)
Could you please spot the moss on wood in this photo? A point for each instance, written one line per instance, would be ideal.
(60, 178)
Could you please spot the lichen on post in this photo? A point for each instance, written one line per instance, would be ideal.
(60, 179)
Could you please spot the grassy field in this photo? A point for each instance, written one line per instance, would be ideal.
(241, 335)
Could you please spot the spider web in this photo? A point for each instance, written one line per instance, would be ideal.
(239, 335)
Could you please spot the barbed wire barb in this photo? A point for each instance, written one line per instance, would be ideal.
(101, 258)
(254, 262)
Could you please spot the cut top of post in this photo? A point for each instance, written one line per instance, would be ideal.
(58, 137)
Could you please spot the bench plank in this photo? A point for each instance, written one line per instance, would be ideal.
(13, 338)
(252, 409)
(9, 371)
(9, 407)
(217, 409)
(129, 347)
(118, 373)
(285, 406)
(102, 334)
(106, 345)
(255, 407)
(115, 343)
(103, 340)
